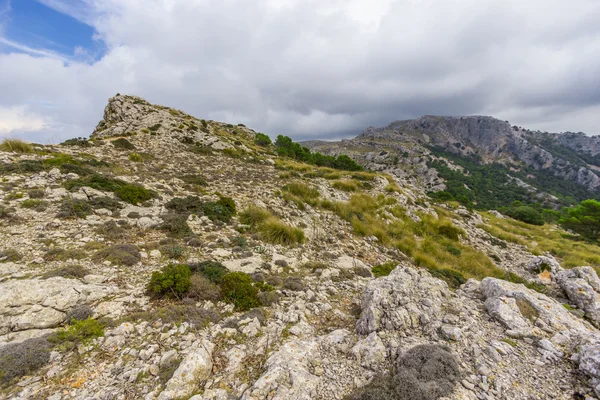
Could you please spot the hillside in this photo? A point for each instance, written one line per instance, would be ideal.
(554, 169)
(171, 257)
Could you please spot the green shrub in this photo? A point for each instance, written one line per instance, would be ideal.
(212, 270)
(104, 202)
(262, 140)
(123, 144)
(172, 250)
(177, 314)
(16, 146)
(133, 194)
(172, 281)
(111, 231)
(24, 358)
(59, 254)
(79, 313)
(36, 194)
(384, 269)
(72, 208)
(526, 214)
(274, 231)
(453, 278)
(221, 210)
(239, 241)
(237, 288)
(176, 225)
(78, 332)
(80, 141)
(38, 205)
(120, 254)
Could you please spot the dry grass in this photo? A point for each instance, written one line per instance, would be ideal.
(569, 250)
(16, 146)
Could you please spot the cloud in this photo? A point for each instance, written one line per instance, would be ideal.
(19, 119)
(328, 68)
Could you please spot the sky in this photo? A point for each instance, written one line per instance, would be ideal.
(310, 69)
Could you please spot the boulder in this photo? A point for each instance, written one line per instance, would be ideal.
(582, 286)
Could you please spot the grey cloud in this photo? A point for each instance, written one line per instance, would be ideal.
(312, 69)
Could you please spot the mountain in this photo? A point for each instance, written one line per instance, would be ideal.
(170, 257)
(558, 168)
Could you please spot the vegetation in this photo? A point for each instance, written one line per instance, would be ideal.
(425, 372)
(270, 228)
(36, 204)
(128, 192)
(383, 269)
(172, 281)
(16, 146)
(123, 144)
(23, 358)
(286, 147)
(584, 219)
(212, 270)
(238, 289)
(221, 210)
(262, 140)
(120, 254)
(72, 271)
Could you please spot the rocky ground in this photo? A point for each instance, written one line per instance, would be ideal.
(325, 327)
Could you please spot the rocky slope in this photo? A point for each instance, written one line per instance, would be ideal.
(399, 147)
(327, 327)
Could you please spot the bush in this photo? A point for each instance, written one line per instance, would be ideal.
(120, 254)
(274, 231)
(105, 202)
(172, 281)
(383, 269)
(36, 194)
(37, 205)
(79, 313)
(123, 144)
(262, 140)
(194, 180)
(110, 230)
(72, 208)
(78, 332)
(81, 142)
(525, 214)
(450, 231)
(425, 372)
(24, 358)
(293, 283)
(16, 146)
(202, 288)
(59, 254)
(133, 194)
(237, 288)
(453, 278)
(178, 313)
(10, 255)
(176, 225)
(135, 157)
(67, 271)
(212, 270)
(221, 210)
(128, 192)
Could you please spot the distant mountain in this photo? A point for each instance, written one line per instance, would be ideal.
(548, 167)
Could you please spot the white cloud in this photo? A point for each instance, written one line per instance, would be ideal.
(322, 68)
(19, 119)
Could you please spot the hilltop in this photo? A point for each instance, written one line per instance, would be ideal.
(175, 257)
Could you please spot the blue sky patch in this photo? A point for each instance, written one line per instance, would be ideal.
(31, 24)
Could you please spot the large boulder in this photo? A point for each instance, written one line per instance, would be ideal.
(406, 299)
(195, 368)
(43, 303)
(582, 286)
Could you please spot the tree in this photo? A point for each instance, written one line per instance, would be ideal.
(262, 140)
(346, 163)
(583, 219)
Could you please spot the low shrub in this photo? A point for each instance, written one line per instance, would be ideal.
(16, 146)
(383, 269)
(212, 270)
(60, 254)
(123, 144)
(237, 288)
(454, 279)
(133, 194)
(110, 230)
(79, 141)
(105, 202)
(293, 283)
(425, 372)
(221, 210)
(202, 288)
(73, 208)
(10, 255)
(262, 140)
(346, 186)
(172, 250)
(129, 192)
(178, 313)
(194, 179)
(36, 194)
(79, 313)
(450, 231)
(172, 281)
(120, 254)
(135, 157)
(23, 358)
(176, 225)
(37, 205)
(67, 271)
(78, 332)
